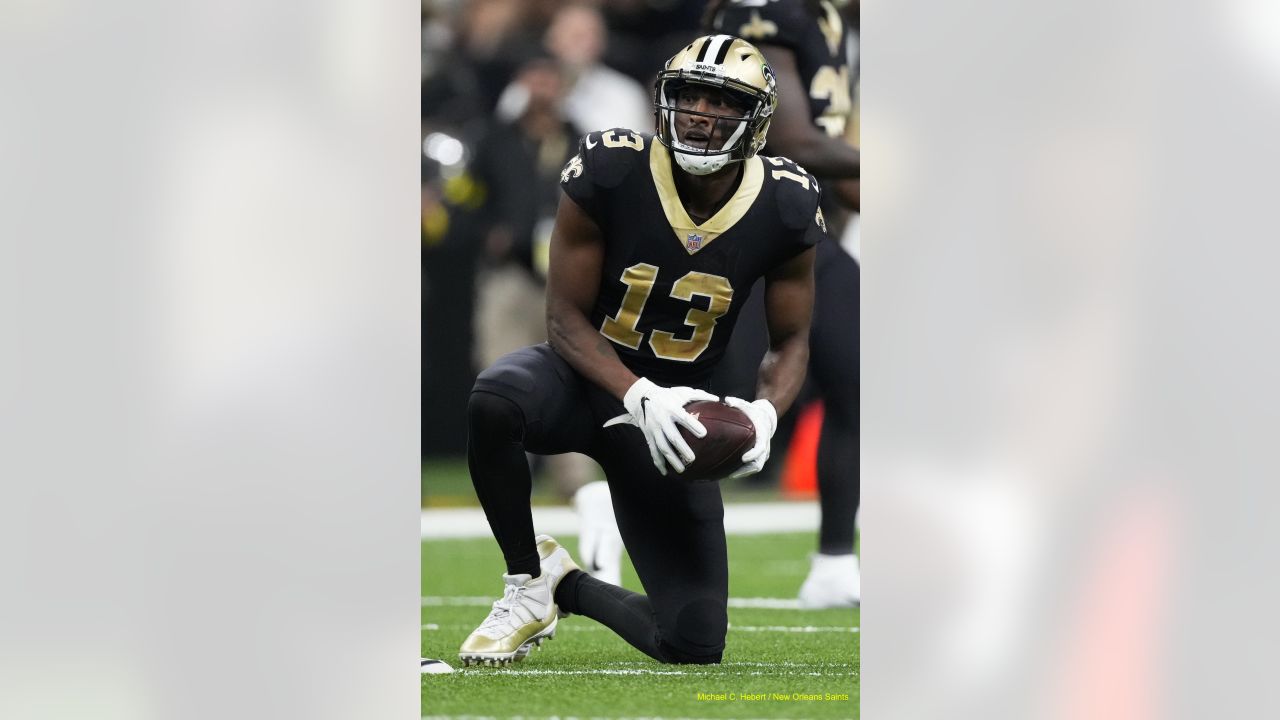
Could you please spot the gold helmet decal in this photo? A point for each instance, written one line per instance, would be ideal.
(734, 66)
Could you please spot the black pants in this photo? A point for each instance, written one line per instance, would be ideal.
(532, 400)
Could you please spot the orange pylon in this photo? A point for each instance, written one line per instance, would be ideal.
(800, 473)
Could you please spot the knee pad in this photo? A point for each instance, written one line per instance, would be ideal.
(505, 389)
(699, 632)
(493, 415)
(514, 374)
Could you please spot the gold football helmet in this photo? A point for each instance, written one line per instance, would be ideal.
(729, 64)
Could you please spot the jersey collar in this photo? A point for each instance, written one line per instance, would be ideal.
(692, 236)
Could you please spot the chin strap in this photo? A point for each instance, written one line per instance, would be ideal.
(698, 164)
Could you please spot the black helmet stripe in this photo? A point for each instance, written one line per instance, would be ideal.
(702, 52)
(721, 44)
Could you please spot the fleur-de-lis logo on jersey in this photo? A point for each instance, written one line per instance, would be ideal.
(822, 221)
(572, 170)
(694, 241)
(758, 28)
(832, 28)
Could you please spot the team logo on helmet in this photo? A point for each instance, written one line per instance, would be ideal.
(768, 76)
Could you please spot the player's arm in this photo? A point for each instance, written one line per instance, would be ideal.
(793, 133)
(788, 299)
(573, 280)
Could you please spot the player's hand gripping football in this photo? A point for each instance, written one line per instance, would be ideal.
(658, 412)
(765, 418)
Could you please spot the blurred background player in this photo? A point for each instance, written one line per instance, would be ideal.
(812, 48)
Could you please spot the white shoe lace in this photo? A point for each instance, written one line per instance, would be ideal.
(501, 617)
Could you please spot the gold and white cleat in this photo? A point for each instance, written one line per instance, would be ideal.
(524, 617)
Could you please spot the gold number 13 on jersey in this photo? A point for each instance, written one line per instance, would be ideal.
(639, 279)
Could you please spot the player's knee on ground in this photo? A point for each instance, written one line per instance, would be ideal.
(490, 415)
(698, 635)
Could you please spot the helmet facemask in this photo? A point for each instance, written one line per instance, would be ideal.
(736, 77)
(738, 132)
(696, 155)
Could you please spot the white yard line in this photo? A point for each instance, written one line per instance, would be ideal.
(787, 628)
(739, 519)
(457, 600)
(732, 628)
(639, 671)
(765, 603)
(570, 718)
(826, 664)
(486, 601)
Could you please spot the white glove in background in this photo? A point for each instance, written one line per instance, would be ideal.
(765, 418)
(657, 411)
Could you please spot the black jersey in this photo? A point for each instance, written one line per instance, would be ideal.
(670, 289)
(823, 44)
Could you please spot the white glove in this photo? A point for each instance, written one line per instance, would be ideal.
(765, 418)
(656, 411)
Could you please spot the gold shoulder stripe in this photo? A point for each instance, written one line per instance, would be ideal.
(694, 237)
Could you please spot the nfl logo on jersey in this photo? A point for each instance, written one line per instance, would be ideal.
(694, 241)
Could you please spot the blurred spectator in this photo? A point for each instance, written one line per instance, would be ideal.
(600, 97)
(437, 38)
(490, 40)
(519, 162)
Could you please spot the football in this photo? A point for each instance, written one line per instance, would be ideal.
(729, 435)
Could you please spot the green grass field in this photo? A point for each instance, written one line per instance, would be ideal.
(779, 663)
